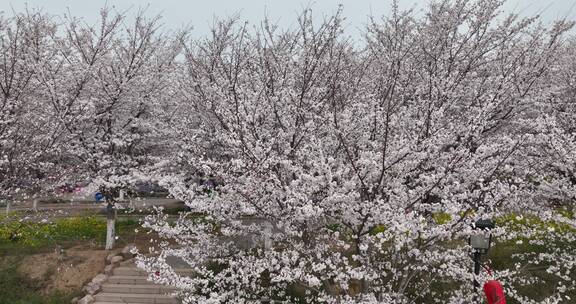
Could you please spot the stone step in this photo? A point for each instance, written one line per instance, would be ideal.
(137, 288)
(134, 298)
(121, 279)
(116, 302)
(129, 271)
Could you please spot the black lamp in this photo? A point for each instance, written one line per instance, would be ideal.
(480, 241)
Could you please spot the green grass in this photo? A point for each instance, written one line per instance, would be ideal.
(18, 236)
(441, 218)
(21, 237)
(501, 256)
(502, 253)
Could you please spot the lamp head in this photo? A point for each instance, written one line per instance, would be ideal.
(482, 240)
(484, 224)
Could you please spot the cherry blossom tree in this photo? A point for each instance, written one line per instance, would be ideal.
(316, 170)
(28, 132)
(111, 82)
(560, 102)
(340, 163)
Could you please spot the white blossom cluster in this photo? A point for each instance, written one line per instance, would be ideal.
(351, 156)
(317, 170)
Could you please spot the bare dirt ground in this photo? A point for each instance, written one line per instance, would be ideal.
(76, 266)
(65, 272)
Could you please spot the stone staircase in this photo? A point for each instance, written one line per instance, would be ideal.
(129, 284)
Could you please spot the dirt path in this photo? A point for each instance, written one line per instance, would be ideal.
(66, 271)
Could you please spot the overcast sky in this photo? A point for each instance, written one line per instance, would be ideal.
(199, 13)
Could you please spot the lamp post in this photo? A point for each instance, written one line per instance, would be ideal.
(480, 242)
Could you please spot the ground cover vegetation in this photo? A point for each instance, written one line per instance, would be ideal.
(52, 246)
(22, 231)
(314, 170)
